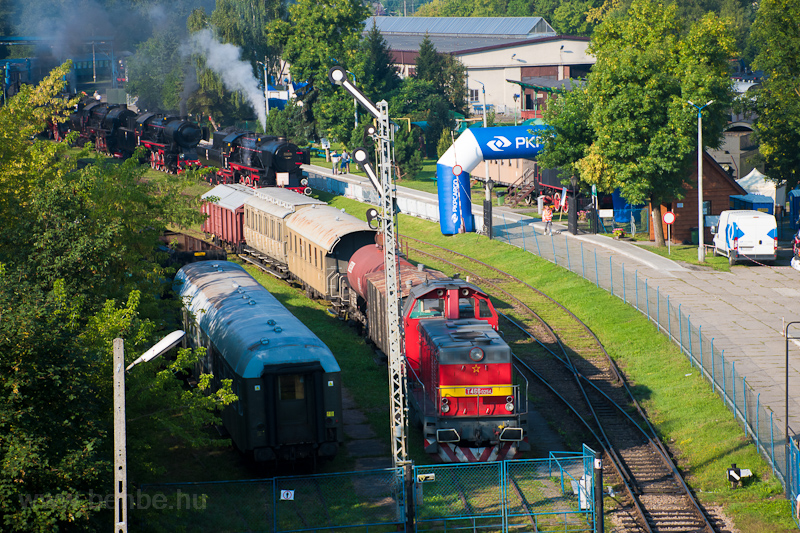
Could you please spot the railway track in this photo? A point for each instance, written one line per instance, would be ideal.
(653, 496)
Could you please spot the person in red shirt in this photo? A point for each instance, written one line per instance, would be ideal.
(547, 218)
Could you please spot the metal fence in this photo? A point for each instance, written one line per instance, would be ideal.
(546, 495)
(568, 252)
(371, 501)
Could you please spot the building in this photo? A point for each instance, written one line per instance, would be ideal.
(718, 186)
(517, 61)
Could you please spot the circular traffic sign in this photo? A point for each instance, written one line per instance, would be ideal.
(669, 217)
(457, 170)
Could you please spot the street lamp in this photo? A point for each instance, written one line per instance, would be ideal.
(120, 459)
(355, 102)
(701, 249)
(266, 87)
(488, 192)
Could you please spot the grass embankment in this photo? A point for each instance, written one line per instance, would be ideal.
(690, 418)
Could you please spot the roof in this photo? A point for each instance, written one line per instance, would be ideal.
(230, 196)
(280, 202)
(451, 34)
(325, 225)
(248, 325)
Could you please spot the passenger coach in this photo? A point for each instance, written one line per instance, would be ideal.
(287, 380)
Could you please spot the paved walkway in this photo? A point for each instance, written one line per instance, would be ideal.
(744, 310)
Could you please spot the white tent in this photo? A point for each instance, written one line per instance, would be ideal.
(757, 183)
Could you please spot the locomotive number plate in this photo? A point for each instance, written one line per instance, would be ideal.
(482, 391)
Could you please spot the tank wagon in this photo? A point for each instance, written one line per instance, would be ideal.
(287, 381)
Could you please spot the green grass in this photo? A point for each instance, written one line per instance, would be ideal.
(691, 419)
(688, 254)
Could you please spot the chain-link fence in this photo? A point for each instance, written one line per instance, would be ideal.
(371, 501)
(554, 494)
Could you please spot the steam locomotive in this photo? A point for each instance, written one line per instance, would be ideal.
(460, 373)
(175, 144)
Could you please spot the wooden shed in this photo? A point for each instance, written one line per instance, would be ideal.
(718, 186)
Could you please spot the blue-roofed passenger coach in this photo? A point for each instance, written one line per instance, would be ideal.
(287, 380)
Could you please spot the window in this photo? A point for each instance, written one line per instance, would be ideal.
(291, 387)
(473, 95)
(308, 256)
(272, 228)
(483, 309)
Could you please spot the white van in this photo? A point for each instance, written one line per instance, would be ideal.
(746, 235)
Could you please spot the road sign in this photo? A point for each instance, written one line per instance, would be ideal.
(669, 217)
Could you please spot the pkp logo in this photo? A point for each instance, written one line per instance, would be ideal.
(498, 143)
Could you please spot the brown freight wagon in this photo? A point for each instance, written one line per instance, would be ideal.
(225, 214)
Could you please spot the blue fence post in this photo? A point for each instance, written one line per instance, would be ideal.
(658, 306)
(596, 271)
(700, 340)
(536, 238)
(611, 274)
(724, 391)
(566, 243)
(647, 300)
(623, 283)
(680, 328)
(636, 284)
(669, 319)
(553, 241)
(583, 262)
(744, 397)
(713, 376)
(689, 327)
(772, 438)
(758, 412)
(523, 238)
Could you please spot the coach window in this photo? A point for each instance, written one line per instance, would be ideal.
(272, 228)
(292, 387)
(308, 256)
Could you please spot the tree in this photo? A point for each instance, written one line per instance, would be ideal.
(317, 37)
(570, 135)
(647, 68)
(381, 79)
(74, 244)
(777, 32)
(156, 72)
(407, 155)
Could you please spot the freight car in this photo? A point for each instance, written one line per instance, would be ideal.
(255, 160)
(287, 381)
(336, 257)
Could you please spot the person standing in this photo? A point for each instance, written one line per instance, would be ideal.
(547, 218)
(335, 161)
(345, 162)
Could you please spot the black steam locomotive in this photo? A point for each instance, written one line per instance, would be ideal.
(255, 160)
(175, 144)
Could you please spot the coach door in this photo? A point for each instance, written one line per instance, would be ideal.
(296, 418)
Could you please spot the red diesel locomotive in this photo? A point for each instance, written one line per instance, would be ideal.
(460, 371)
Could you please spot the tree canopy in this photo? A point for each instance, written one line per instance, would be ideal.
(79, 266)
(777, 32)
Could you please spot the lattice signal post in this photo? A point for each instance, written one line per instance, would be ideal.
(383, 184)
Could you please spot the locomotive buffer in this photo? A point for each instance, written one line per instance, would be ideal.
(385, 188)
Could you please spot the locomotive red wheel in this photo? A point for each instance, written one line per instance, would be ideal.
(566, 204)
(556, 201)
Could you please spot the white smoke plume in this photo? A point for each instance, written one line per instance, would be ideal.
(225, 60)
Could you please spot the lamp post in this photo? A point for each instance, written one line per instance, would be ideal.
(487, 209)
(516, 97)
(355, 102)
(786, 397)
(701, 248)
(266, 85)
(120, 459)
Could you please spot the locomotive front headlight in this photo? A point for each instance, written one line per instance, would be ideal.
(445, 408)
(509, 399)
(510, 407)
(476, 354)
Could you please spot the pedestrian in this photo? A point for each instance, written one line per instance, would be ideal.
(547, 218)
(335, 161)
(345, 162)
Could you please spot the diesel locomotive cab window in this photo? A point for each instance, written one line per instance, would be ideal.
(428, 308)
(483, 309)
(292, 387)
